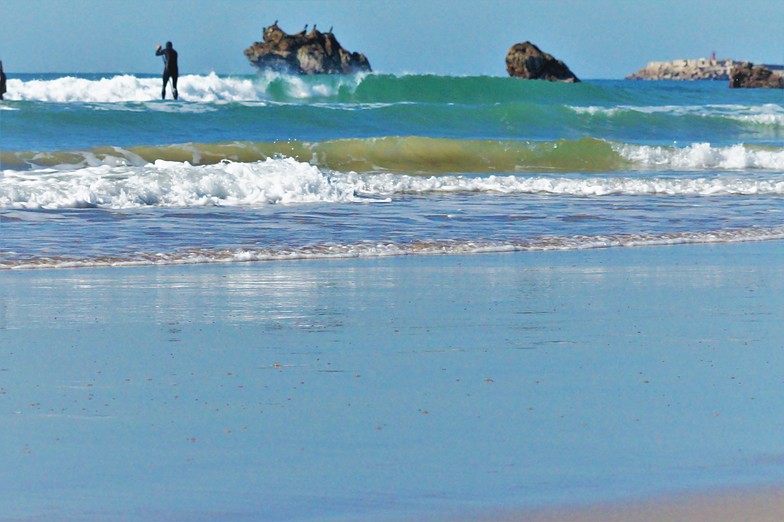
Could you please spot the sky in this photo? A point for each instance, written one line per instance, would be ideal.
(597, 39)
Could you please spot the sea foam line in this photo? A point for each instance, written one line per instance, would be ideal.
(390, 184)
(376, 250)
(765, 114)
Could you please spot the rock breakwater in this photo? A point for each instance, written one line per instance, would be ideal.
(698, 69)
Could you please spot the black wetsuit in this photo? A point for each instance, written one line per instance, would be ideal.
(2, 84)
(169, 68)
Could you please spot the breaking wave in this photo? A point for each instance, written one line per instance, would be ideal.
(192, 88)
(424, 156)
(165, 183)
(171, 184)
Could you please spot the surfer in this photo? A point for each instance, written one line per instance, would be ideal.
(169, 68)
(2, 81)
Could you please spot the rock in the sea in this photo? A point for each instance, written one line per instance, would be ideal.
(748, 75)
(311, 52)
(525, 60)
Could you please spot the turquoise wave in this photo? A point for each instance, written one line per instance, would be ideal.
(63, 113)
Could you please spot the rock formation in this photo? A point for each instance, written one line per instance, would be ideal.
(747, 75)
(700, 69)
(305, 52)
(525, 60)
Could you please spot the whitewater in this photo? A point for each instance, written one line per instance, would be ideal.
(96, 170)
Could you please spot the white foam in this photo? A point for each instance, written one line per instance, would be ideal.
(192, 88)
(109, 184)
(72, 89)
(390, 184)
(172, 184)
(700, 156)
(766, 114)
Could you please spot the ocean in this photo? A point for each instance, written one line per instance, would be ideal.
(97, 170)
(508, 295)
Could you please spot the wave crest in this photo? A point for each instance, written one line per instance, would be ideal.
(192, 88)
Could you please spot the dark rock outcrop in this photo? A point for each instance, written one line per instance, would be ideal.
(748, 75)
(311, 52)
(525, 60)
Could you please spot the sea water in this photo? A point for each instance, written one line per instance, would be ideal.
(97, 170)
(384, 386)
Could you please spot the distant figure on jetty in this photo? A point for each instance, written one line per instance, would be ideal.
(2, 81)
(170, 69)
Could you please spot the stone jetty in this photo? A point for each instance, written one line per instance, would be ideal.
(699, 69)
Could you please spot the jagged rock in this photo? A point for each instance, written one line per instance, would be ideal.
(525, 60)
(748, 75)
(311, 52)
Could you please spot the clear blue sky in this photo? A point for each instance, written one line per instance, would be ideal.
(596, 38)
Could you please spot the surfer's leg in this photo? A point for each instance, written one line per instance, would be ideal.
(174, 86)
(165, 81)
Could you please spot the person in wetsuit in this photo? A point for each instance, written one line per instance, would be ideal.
(169, 68)
(2, 81)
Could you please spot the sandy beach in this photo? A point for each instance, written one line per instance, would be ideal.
(760, 505)
(511, 386)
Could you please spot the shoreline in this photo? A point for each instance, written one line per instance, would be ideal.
(389, 250)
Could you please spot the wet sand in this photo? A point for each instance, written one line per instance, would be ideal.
(415, 388)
